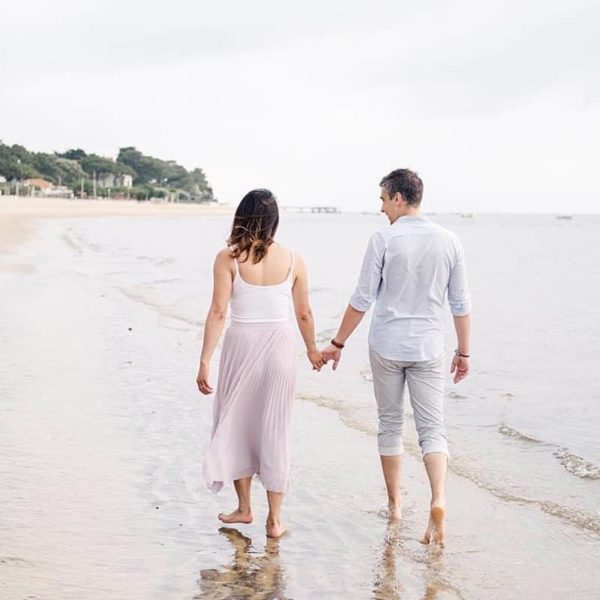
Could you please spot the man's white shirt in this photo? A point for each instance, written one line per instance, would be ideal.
(409, 270)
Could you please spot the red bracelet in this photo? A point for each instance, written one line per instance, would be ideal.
(336, 344)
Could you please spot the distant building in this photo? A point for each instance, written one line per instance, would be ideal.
(126, 181)
(110, 180)
(41, 187)
(59, 191)
(37, 184)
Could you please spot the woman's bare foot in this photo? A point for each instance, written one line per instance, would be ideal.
(237, 516)
(435, 528)
(275, 529)
(395, 513)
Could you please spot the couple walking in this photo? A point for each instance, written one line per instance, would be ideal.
(408, 271)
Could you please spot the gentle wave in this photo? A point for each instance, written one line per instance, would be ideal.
(504, 429)
(573, 463)
(162, 310)
(345, 412)
(578, 518)
(73, 241)
(577, 465)
(77, 243)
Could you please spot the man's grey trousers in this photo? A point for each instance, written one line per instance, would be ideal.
(425, 380)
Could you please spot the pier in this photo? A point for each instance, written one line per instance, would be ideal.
(314, 209)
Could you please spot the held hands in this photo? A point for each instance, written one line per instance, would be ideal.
(316, 359)
(319, 358)
(460, 368)
(202, 379)
(332, 353)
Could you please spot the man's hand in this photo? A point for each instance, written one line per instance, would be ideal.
(460, 368)
(332, 353)
(202, 379)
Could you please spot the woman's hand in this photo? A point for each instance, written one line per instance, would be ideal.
(202, 379)
(316, 359)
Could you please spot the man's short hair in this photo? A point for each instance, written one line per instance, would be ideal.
(407, 183)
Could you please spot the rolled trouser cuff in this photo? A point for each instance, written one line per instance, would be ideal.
(428, 447)
(387, 449)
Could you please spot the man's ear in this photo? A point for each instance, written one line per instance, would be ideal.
(398, 198)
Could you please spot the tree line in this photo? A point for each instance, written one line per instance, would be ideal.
(89, 173)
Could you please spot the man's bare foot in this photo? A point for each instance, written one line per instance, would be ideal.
(435, 528)
(395, 513)
(237, 516)
(275, 529)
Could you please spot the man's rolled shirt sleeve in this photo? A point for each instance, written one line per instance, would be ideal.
(458, 289)
(370, 274)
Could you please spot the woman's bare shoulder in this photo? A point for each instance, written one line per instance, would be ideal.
(286, 250)
(224, 257)
(299, 265)
(226, 252)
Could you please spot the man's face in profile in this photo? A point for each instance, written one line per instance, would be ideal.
(387, 205)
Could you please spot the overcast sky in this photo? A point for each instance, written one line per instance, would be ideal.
(496, 104)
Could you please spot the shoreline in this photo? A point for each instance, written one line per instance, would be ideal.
(18, 213)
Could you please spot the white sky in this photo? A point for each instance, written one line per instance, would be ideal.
(496, 104)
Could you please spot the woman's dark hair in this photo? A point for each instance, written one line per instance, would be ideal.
(254, 225)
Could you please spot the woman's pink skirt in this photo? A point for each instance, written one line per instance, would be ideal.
(253, 406)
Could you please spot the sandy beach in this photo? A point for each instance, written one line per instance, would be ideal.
(103, 434)
(18, 213)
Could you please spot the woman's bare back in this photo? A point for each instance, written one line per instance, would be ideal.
(273, 269)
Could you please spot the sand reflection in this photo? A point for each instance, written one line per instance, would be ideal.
(386, 585)
(395, 548)
(249, 575)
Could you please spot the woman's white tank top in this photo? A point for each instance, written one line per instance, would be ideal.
(261, 303)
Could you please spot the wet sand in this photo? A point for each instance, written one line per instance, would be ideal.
(18, 214)
(101, 445)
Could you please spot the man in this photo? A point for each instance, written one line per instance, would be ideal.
(408, 270)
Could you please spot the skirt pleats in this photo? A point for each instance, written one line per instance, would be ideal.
(253, 406)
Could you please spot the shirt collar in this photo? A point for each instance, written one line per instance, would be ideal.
(410, 218)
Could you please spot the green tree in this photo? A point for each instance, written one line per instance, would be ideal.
(15, 163)
(102, 166)
(165, 173)
(152, 177)
(73, 154)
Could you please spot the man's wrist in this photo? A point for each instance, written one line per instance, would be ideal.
(336, 344)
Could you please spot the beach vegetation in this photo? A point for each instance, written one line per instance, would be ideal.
(132, 175)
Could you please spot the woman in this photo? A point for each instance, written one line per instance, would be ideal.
(257, 371)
